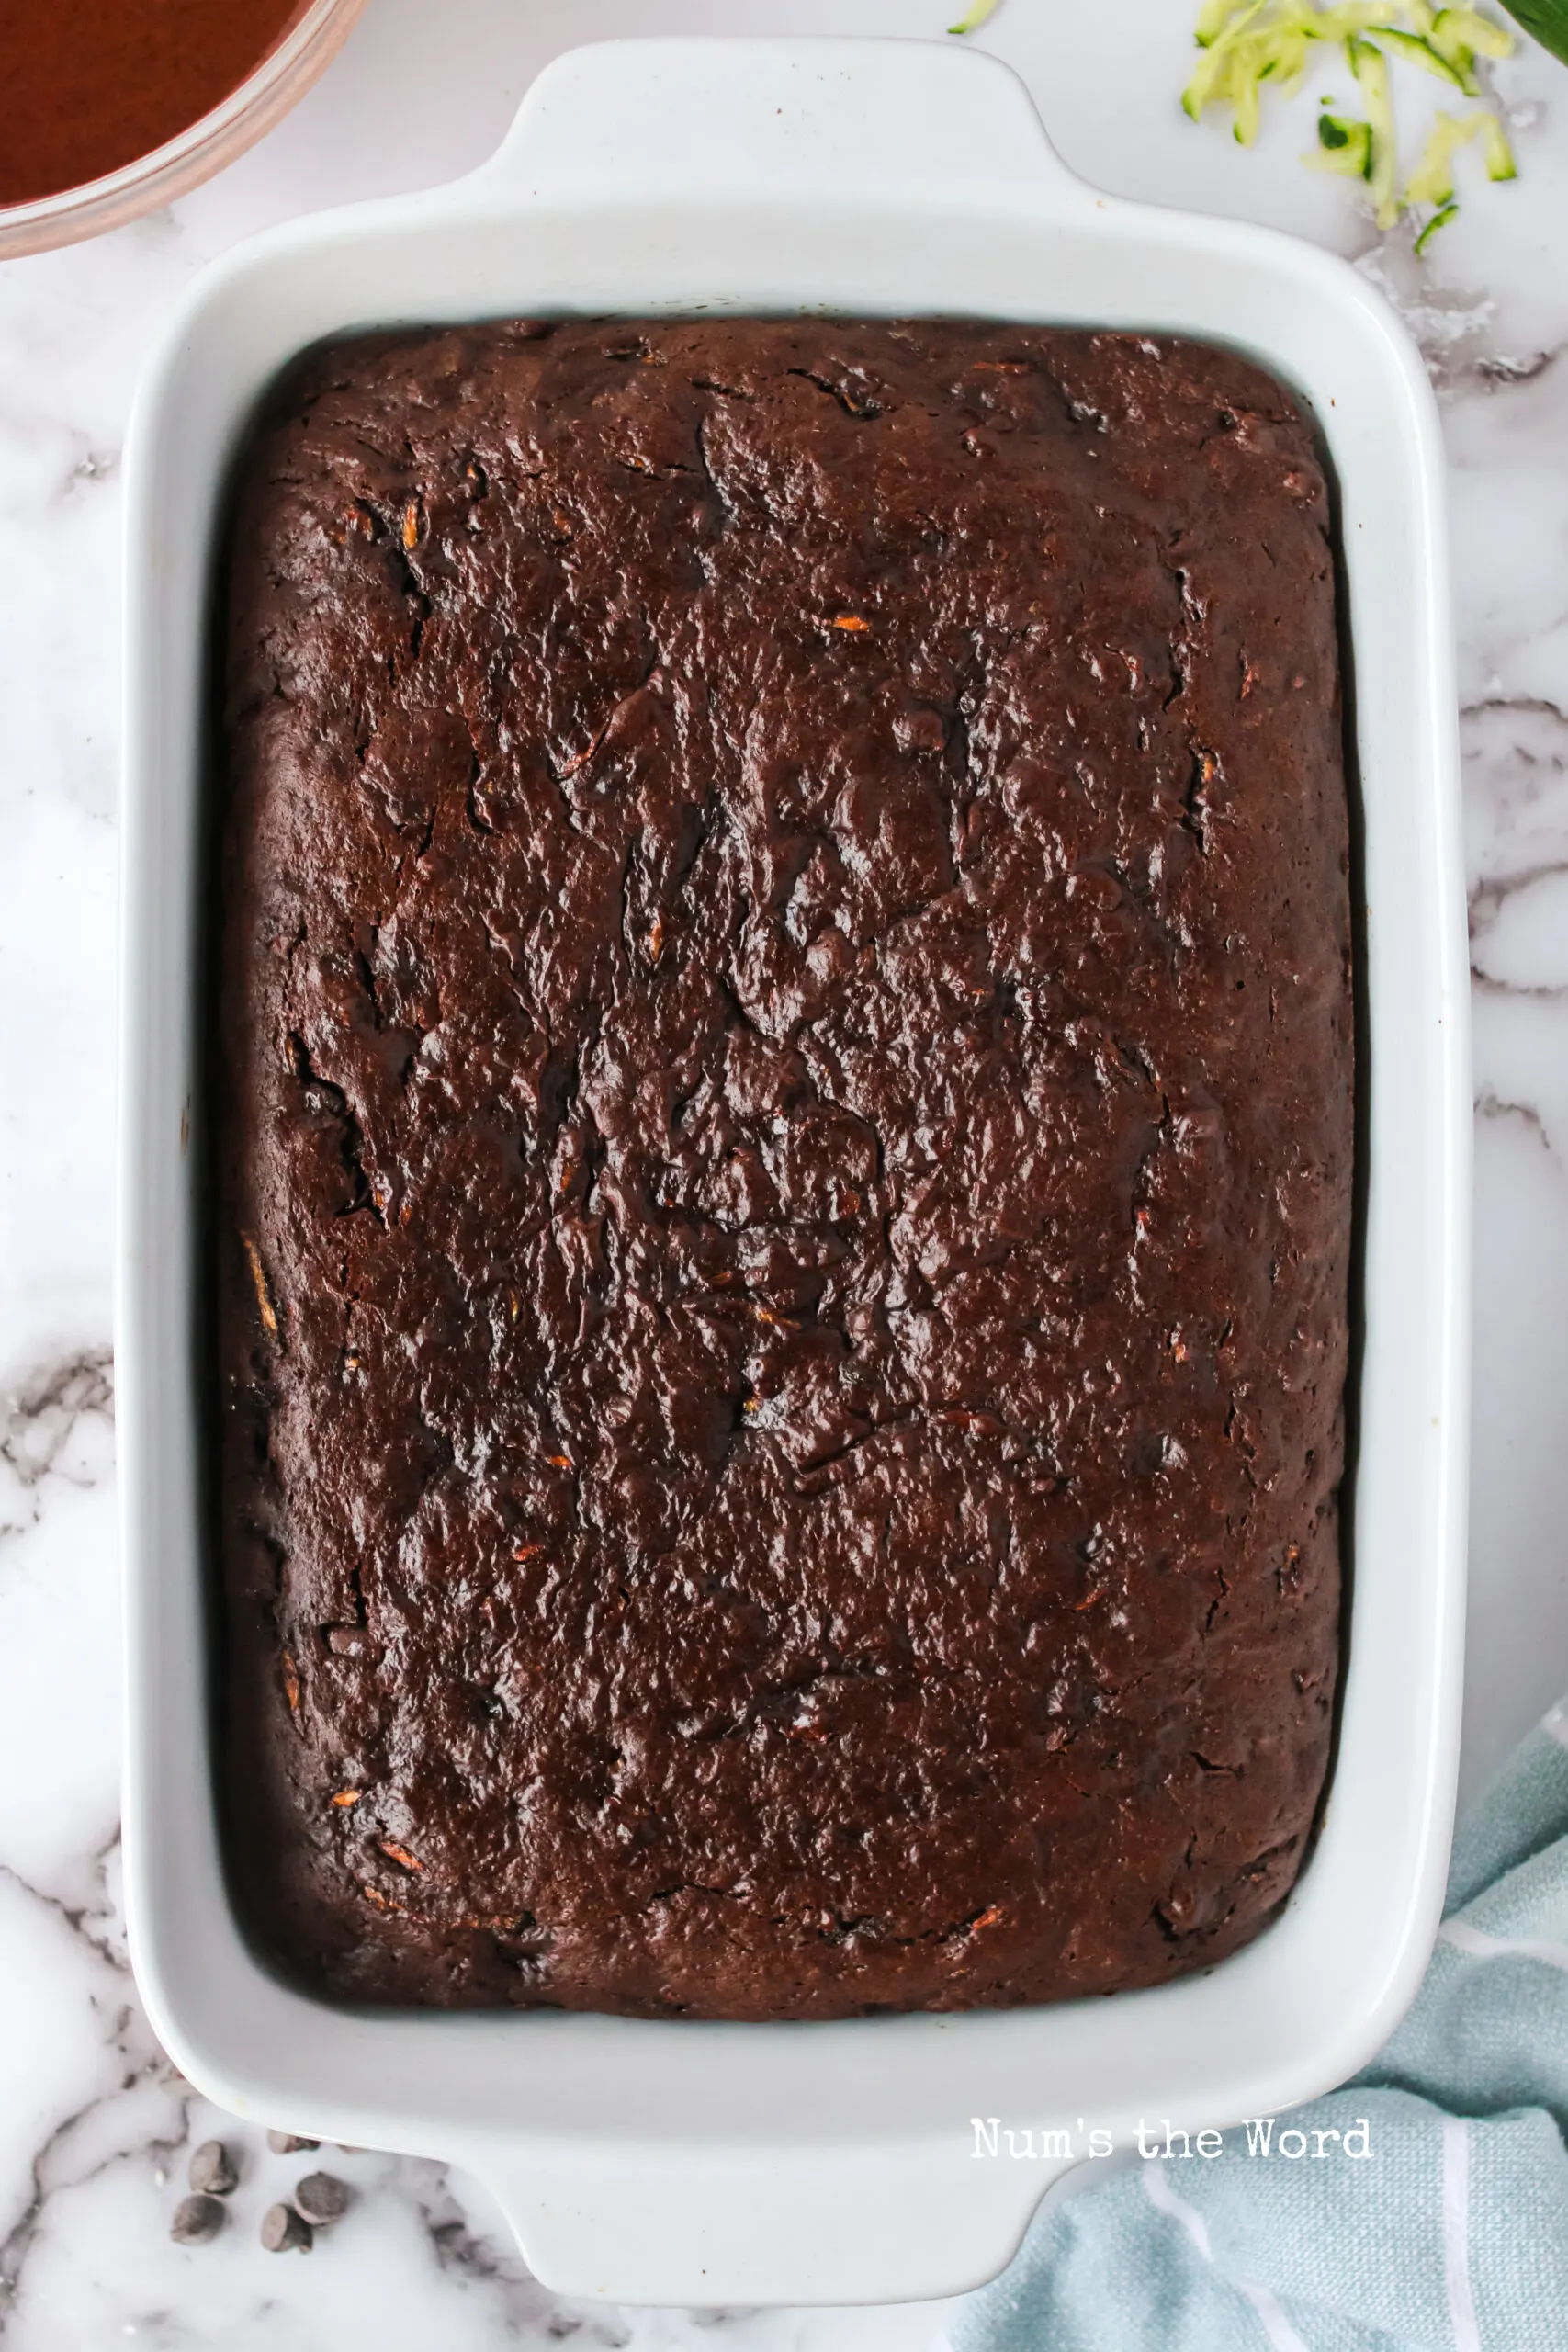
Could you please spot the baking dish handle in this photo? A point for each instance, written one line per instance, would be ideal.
(896, 2223)
(678, 117)
(663, 126)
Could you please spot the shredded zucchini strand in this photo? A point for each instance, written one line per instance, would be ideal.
(1439, 221)
(1213, 18)
(1416, 52)
(1468, 28)
(1370, 67)
(973, 17)
(1432, 181)
(1343, 146)
(1495, 150)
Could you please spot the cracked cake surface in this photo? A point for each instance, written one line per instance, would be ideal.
(781, 1136)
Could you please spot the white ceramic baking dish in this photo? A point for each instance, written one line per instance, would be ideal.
(707, 2163)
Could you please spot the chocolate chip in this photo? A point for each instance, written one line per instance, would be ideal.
(196, 2220)
(323, 2197)
(286, 2143)
(212, 2172)
(283, 2228)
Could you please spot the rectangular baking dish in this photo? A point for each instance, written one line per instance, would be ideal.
(709, 2163)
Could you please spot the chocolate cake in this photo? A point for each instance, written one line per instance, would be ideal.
(782, 1132)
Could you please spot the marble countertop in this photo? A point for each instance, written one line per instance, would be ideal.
(94, 2127)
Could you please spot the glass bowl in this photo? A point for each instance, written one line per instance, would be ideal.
(284, 74)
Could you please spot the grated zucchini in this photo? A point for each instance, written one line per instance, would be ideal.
(1245, 45)
(973, 17)
(1370, 67)
(1497, 154)
(1212, 77)
(1468, 28)
(1343, 146)
(1432, 181)
(1352, 16)
(1213, 18)
(1416, 52)
(1439, 221)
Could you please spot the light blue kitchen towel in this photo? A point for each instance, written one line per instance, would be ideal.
(1451, 2237)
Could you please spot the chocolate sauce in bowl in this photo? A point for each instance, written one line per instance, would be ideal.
(93, 84)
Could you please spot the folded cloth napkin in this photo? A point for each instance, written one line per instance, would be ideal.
(1451, 2236)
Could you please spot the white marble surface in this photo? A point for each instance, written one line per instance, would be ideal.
(94, 2130)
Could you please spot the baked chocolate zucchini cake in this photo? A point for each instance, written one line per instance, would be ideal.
(783, 1093)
